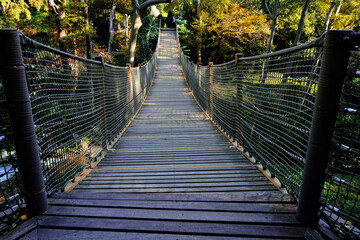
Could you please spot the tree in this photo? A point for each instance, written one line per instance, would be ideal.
(88, 36)
(199, 35)
(235, 29)
(328, 16)
(137, 23)
(59, 11)
(126, 28)
(111, 25)
(346, 15)
(273, 15)
(301, 22)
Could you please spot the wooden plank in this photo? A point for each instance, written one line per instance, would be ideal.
(186, 164)
(140, 150)
(178, 215)
(238, 169)
(116, 173)
(262, 197)
(180, 205)
(169, 180)
(113, 189)
(176, 150)
(71, 234)
(174, 160)
(156, 226)
(33, 235)
(186, 155)
(204, 177)
(113, 184)
(178, 155)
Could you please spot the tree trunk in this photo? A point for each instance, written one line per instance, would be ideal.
(338, 8)
(127, 30)
(60, 13)
(135, 26)
(273, 26)
(62, 30)
(328, 16)
(301, 23)
(87, 37)
(199, 45)
(111, 25)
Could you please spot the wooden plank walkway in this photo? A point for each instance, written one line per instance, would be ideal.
(169, 148)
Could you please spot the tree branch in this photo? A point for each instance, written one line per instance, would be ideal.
(136, 4)
(148, 3)
(356, 22)
(54, 6)
(267, 7)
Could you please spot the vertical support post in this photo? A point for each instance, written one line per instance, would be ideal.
(12, 70)
(105, 119)
(239, 97)
(130, 90)
(211, 97)
(198, 76)
(332, 73)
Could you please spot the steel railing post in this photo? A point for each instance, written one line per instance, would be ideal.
(19, 106)
(239, 97)
(105, 113)
(211, 90)
(130, 91)
(332, 73)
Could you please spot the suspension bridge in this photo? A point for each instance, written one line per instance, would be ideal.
(209, 152)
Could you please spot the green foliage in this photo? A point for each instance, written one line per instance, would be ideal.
(143, 40)
(37, 19)
(12, 11)
(99, 12)
(225, 28)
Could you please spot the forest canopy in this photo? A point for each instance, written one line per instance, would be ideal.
(210, 30)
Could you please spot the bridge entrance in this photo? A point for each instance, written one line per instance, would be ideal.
(172, 175)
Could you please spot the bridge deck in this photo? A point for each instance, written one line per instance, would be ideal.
(170, 148)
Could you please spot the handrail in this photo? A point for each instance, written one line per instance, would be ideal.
(26, 41)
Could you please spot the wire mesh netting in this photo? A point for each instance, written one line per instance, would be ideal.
(341, 195)
(12, 205)
(79, 107)
(266, 104)
(68, 104)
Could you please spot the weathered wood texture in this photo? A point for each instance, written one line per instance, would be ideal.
(170, 148)
(168, 216)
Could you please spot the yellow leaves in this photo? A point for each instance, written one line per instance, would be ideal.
(235, 21)
(38, 4)
(229, 27)
(15, 9)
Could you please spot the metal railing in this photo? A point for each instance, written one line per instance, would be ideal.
(281, 108)
(78, 109)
